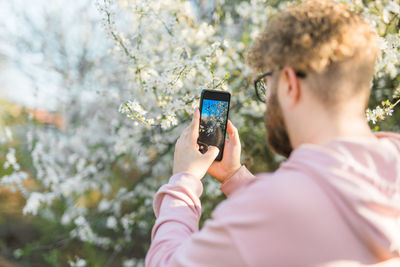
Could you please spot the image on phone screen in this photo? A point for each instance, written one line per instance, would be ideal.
(213, 119)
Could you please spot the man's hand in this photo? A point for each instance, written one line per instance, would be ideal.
(187, 157)
(223, 170)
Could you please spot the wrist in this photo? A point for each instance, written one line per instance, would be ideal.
(231, 173)
(188, 172)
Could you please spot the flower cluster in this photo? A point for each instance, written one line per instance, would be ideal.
(380, 112)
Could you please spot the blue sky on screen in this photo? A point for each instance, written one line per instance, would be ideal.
(210, 102)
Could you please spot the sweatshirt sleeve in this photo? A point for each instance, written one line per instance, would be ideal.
(238, 180)
(175, 237)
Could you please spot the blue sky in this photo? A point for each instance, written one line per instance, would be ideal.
(207, 102)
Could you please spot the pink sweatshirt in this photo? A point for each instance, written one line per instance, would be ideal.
(322, 207)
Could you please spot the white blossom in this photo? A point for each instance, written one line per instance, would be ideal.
(77, 263)
(111, 222)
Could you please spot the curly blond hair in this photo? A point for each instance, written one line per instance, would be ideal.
(319, 37)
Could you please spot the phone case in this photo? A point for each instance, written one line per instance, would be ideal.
(219, 96)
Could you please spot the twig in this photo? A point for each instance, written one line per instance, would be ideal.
(138, 118)
(393, 105)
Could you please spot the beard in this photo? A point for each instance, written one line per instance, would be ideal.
(277, 135)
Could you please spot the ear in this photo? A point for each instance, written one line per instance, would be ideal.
(292, 90)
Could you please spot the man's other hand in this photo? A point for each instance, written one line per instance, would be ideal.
(187, 157)
(223, 170)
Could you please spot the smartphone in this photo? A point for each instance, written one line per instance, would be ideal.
(214, 110)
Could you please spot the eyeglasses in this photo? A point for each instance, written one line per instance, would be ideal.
(261, 87)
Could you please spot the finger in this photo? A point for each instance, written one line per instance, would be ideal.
(233, 132)
(182, 136)
(186, 131)
(195, 121)
(212, 153)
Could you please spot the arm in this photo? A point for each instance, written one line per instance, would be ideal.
(176, 239)
(178, 209)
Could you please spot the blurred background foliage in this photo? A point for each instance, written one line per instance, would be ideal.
(62, 83)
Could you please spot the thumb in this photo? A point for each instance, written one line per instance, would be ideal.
(212, 153)
(233, 133)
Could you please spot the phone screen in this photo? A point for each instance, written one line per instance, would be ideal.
(213, 119)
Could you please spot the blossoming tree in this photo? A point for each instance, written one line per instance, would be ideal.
(97, 176)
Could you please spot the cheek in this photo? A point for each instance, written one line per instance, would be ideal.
(267, 94)
(281, 100)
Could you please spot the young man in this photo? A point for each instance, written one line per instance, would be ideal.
(335, 201)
